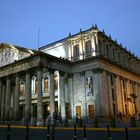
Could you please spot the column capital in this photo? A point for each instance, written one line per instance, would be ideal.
(82, 73)
(61, 73)
(98, 70)
(50, 70)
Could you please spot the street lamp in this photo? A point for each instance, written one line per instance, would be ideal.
(134, 96)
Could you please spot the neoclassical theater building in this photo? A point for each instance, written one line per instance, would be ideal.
(87, 73)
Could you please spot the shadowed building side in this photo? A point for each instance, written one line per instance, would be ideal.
(87, 74)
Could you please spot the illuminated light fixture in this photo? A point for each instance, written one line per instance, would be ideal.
(48, 108)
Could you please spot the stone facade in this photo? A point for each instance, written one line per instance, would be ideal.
(87, 73)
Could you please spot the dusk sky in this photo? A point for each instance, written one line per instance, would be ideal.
(21, 19)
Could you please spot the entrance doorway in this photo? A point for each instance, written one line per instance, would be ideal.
(91, 111)
(46, 110)
(78, 110)
(67, 108)
(34, 110)
(21, 112)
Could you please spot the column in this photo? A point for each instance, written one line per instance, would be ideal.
(98, 92)
(62, 95)
(39, 97)
(51, 93)
(8, 97)
(105, 94)
(119, 94)
(0, 96)
(3, 101)
(16, 98)
(27, 97)
(71, 95)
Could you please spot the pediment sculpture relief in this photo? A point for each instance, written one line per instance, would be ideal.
(10, 53)
(7, 55)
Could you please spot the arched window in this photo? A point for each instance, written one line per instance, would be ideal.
(76, 51)
(107, 50)
(22, 88)
(46, 84)
(88, 47)
(34, 86)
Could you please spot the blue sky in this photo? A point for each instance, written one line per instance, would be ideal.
(20, 20)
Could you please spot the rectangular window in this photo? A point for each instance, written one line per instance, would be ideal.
(114, 109)
(111, 80)
(46, 85)
(113, 95)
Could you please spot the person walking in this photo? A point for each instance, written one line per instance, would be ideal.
(54, 118)
(48, 119)
(77, 118)
(59, 119)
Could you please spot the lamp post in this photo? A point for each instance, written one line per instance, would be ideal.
(134, 96)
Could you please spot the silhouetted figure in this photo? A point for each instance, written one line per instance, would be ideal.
(55, 118)
(77, 118)
(48, 119)
(120, 116)
(59, 119)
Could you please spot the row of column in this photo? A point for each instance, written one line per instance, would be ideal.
(6, 92)
(121, 89)
(111, 97)
(94, 48)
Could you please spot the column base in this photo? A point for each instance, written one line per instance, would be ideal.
(40, 122)
(33, 121)
(25, 121)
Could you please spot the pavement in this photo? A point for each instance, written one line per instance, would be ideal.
(66, 133)
(122, 131)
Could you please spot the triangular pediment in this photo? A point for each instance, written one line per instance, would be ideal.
(10, 53)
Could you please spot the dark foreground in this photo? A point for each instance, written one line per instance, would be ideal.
(41, 133)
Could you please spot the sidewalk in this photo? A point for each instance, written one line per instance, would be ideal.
(91, 124)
